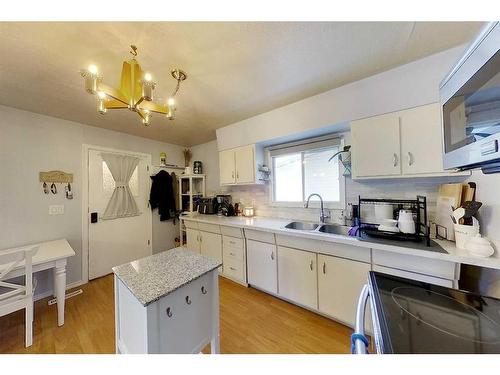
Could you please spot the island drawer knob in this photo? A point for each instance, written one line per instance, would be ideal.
(169, 312)
(203, 290)
(188, 300)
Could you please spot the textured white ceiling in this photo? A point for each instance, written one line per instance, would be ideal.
(236, 70)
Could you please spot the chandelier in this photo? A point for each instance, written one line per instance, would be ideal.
(135, 92)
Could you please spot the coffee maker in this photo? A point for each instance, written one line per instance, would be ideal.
(224, 203)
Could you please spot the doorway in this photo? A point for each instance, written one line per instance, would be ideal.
(111, 242)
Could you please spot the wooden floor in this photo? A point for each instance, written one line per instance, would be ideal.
(251, 322)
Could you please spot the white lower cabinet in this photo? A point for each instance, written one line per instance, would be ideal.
(297, 276)
(206, 243)
(193, 239)
(211, 245)
(262, 266)
(339, 285)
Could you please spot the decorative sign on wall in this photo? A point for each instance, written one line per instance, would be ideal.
(56, 176)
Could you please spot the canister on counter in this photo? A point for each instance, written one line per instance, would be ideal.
(197, 167)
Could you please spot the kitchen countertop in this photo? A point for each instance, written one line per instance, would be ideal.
(277, 226)
(160, 274)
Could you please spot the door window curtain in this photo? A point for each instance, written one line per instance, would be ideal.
(122, 203)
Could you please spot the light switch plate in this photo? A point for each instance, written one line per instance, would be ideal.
(56, 209)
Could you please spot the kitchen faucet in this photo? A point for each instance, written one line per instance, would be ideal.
(322, 215)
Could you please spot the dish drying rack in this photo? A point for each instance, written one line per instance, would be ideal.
(417, 206)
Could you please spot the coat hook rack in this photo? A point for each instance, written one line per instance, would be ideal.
(56, 176)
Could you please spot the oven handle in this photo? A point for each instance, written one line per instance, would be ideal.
(358, 338)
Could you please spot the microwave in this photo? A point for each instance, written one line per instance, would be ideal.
(470, 100)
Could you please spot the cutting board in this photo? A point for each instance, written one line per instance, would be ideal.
(453, 191)
(449, 197)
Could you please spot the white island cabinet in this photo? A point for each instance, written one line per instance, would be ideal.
(167, 303)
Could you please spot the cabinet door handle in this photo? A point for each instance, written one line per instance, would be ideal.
(272, 255)
(201, 238)
(188, 300)
(237, 175)
(232, 174)
(410, 158)
(395, 159)
(311, 265)
(324, 268)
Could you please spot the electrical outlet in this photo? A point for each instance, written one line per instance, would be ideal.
(56, 209)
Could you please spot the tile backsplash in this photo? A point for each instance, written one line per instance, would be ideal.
(258, 196)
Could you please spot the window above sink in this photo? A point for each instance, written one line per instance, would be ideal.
(301, 168)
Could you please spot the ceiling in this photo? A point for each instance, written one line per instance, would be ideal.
(235, 70)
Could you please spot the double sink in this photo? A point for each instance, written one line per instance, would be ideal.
(323, 228)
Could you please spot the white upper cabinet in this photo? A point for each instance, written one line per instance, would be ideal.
(400, 144)
(421, 140)
(239, 166)
(375, 146)
(227, 165)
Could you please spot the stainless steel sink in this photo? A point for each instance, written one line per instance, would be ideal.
(334, 229)
(300, 225)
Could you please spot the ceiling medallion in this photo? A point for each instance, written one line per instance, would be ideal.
(135, 92)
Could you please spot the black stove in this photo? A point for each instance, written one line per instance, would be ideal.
(417, 317)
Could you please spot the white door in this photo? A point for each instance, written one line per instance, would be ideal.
(211, 245)
(375, 146)
(117, 241)
(245, 164)
(339, 284)
(226, 165)
(193, 239)
(297, 277)
(261, 266)
(421, 146)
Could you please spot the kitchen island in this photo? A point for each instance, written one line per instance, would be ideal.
(167, 303)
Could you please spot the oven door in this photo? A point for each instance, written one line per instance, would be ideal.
(470, 97)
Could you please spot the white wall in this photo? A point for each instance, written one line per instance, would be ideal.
(406, 86)
(207, 153)
(30, 143)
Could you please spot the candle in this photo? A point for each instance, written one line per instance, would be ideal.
(248, 211)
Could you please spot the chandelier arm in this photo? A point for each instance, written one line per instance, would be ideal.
(114, 104)
(113, 93)
(154, 107)
(177, 87)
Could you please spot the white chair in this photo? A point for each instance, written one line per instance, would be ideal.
(15, 297)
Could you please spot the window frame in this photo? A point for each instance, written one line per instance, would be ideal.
(301, 146)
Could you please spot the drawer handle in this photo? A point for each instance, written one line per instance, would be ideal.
(232, 268)
(231, 253)
(324, 268)
(311, 265)
(188, 300)
(203, 290)
(232, 242)
(169, 312)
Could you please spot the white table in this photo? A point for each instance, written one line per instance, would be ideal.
(51, 254)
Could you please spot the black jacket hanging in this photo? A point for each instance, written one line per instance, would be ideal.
(162, 195)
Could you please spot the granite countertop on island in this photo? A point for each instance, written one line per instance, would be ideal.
(158, 275)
